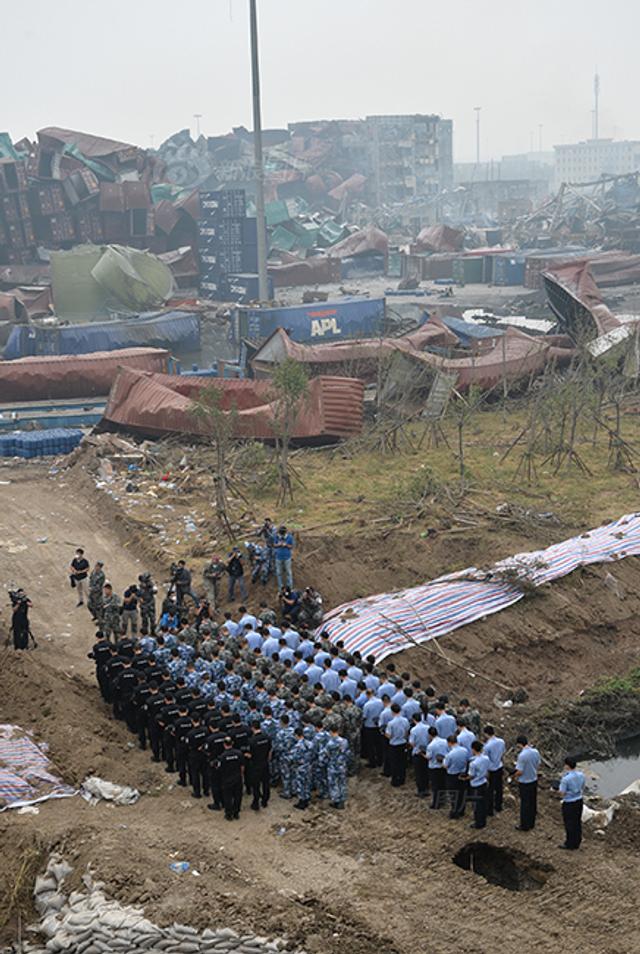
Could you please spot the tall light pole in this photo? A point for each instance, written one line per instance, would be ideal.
(539, 137)
(197, 117)
(261, 223)
(477, 112)
(596, 97)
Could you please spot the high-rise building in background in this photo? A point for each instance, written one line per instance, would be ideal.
(411, 156)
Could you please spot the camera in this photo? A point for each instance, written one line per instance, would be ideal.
(18, 596)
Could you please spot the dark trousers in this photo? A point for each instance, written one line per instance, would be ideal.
(495, 791)
(129, 712)
(142, 728)
(421, 774)
(438, 779)
(198, 774)
(371, 750)
(480, 798)
(398, 764)
(528, 804)
(155, 738)
(181, 763)
(232, 799)
(260, 787)
(457, 789)
(386, 765)
(169, 743)
(215, 786)
(572, 818)
(103, 682)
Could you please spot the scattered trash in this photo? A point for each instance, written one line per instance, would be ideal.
(28, 810)
(42, 539)
(180, 866)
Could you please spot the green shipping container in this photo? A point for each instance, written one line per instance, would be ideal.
(469, 270)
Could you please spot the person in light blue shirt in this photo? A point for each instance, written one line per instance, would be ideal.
(465, 735)
(292, 637)
(347, 687)
(362, 696)
(526, 774)
(387, 688)
(494, 748)
(254, 640)
(274, 631)
(372, 748)
(418, 740)
(455, 763)
(330, 679)
(354, 672)
(411, 706)
(371, 681)
(437, 749)
(270, 646)
(301, 665)
(571, 789)
(397, 732)
(383, 720)
(320, 657)
(478, 773)
(306, 648)
(285, 651)
(445, 723)
(246, 618)
(313, 674)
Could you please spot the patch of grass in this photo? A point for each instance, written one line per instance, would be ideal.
(627, 685)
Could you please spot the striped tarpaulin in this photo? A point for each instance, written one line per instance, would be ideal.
(390, 622)
(25, 771)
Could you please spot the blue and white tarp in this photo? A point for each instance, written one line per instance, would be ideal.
(390, 622)
(26, 775)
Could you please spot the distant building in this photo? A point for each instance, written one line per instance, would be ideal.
(410, 156)
(586, 161)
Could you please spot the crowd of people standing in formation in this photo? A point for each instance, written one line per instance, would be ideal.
(259, 700)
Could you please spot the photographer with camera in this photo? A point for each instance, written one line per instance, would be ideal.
(20, 628)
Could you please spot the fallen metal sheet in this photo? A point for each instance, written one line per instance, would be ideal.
(575, 300)
(439, 238)
(157, 405)
(73, 376)
(370, 239)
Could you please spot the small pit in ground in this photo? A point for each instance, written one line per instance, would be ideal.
(506, 867)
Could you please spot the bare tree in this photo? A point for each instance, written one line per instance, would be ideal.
(290, 385)
(219, 426)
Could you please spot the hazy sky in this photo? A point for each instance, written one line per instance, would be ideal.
(133, 69)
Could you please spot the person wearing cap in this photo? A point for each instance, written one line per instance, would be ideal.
(97, 579)
(283, 546)
(572, 790)
(526, 774)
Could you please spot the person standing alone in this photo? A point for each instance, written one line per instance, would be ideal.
(283, 545)
(526, 775)
(572, 789)
(78, 572)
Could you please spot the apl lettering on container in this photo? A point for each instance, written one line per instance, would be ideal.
(349, 317)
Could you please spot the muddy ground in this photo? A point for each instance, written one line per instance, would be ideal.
(378, 877)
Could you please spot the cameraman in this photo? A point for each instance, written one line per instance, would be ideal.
(20, 627)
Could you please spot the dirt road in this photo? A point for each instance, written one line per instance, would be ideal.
(378, 877)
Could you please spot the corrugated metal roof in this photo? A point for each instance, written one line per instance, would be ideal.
(92, 146)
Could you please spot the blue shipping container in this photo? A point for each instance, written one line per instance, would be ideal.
(174, 330)
(508, 270)
(349, 317)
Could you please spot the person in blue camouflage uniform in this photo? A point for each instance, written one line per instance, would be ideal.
(284, 744)
(335, 757)
(318, 767)
(300, 760)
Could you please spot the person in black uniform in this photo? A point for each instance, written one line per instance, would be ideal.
(113, 668)
(182, 749)
(155, 702)
(178, 727)
(214, 747)
(100, 654)
(230, 765)
(125, 686)
(196, 738)
(164, 720)
(139, 701)
(258, 768)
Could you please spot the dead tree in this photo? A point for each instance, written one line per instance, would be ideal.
(290, 388)
(218, 424)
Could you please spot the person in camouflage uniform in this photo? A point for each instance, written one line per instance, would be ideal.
(97, 580)
(352, 731)
(334, 758)
(212, 573)
(111, 604)
(147, 591)
(318, 768)
(284, 744)
(300, 760)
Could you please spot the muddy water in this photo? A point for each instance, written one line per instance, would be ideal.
(608, 778)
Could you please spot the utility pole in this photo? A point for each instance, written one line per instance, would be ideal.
(539, 137)
(596, 97)
(261, 223)
(477, 112)
(197, 117)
